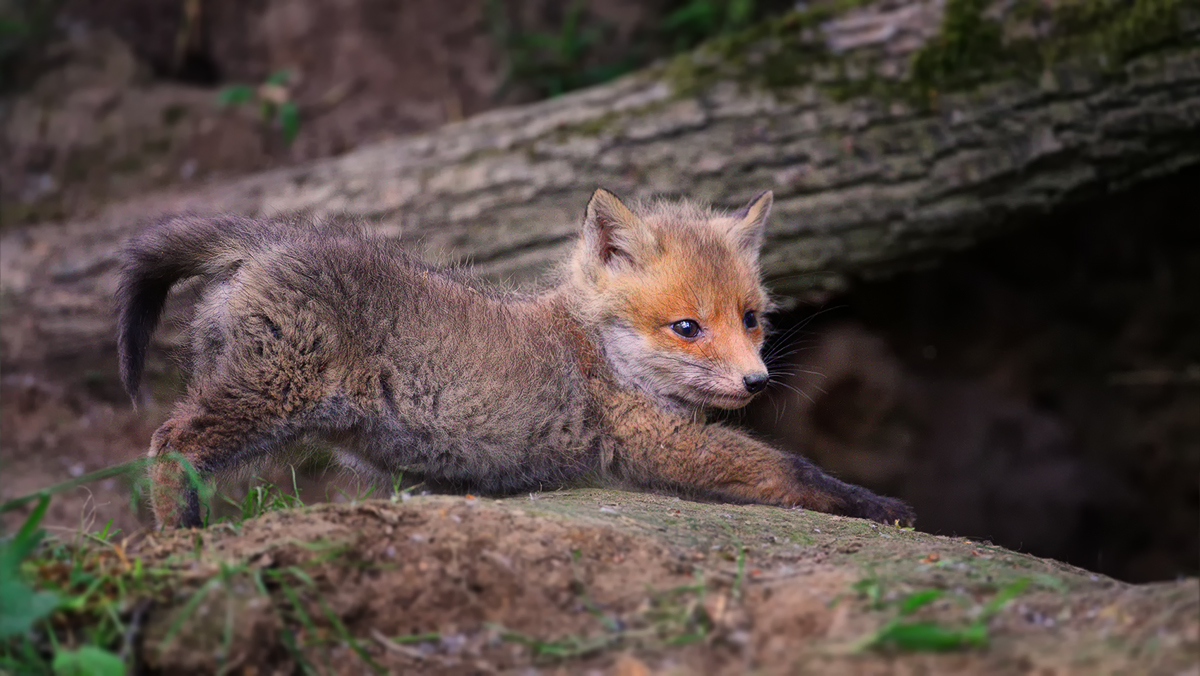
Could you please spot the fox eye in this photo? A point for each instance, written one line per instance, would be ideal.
(687, 328)
(750, 320)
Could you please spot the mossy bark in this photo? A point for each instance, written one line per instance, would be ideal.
(890, 133)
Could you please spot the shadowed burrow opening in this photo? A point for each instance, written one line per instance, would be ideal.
(1041, 390)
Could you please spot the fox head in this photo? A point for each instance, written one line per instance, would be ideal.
(674, 293)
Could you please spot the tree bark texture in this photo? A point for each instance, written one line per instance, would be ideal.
(864, 183)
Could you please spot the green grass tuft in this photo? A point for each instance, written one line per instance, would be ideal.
(904, 633)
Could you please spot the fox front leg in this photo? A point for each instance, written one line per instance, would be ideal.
(662, 451)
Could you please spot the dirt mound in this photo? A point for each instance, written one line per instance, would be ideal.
(612, 582)
(476, 580)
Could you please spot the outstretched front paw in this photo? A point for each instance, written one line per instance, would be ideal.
(882, 509)
(824, 493)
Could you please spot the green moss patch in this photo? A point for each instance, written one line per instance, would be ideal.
(972, 47)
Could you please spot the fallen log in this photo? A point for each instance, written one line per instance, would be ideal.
(889, 131)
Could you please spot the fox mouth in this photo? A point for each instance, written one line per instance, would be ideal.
(715, 399)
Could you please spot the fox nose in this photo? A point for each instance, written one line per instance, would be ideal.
(755, 382)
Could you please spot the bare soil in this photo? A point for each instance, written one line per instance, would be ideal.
(594, 581)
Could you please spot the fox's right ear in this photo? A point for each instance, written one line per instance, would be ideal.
(612, 233)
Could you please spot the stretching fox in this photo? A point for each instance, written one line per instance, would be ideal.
(316, 329)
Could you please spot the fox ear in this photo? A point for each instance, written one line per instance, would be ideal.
(612, 233)
(750, 222)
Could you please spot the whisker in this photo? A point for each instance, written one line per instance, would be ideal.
(795, 370)
(800, 392)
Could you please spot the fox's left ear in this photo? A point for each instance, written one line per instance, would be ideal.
(750, 222)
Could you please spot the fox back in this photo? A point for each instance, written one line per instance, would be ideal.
(332, 330)
(309, 329)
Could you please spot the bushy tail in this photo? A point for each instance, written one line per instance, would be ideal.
(169, 251)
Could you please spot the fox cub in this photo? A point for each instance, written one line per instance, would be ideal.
(312, 329)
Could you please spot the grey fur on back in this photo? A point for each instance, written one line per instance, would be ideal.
(169, 251)
(410, 364)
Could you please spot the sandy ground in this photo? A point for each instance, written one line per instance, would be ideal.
(595, 581)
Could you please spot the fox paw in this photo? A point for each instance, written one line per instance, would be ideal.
(848, 499)
(881, 509)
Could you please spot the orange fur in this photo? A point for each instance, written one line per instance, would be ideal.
(672, 262)
(316, 329)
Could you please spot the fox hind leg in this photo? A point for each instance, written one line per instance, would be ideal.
(209, 433)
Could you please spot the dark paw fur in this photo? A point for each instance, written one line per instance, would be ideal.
(191, 510)
(850, 500)
(893, 512)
